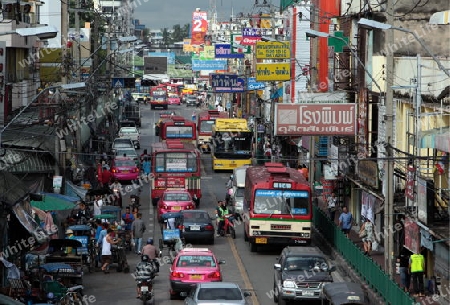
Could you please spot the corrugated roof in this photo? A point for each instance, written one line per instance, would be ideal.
(18, 162)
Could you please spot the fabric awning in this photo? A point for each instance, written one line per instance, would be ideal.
(159, 77)
(438, 138)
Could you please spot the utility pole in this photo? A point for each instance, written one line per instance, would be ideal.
(96, 46)
(64, 30)
(389, 175)
(78, 40)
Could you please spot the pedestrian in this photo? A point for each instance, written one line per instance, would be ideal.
(108, 240)
(367, 233)
(98, 203)
(405, 276)
(332, 206)
(69, 235)
(345, 221)
(128, 218)
(106, 176)
(137, 232)
(146, 167)
(417, 268)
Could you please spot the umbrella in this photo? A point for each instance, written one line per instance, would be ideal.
(105, 216)
(51, 203)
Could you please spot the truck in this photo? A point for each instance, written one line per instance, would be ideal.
(132, 112)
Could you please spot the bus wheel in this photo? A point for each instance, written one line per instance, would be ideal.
(253, 247)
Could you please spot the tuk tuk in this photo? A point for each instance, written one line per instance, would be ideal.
(343, 293)
(84, 234)
(67, 251)
(171, 238)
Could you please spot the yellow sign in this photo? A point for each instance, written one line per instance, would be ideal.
(273, 50)
(272, 72)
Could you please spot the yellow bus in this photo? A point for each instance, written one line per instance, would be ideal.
(232, 144)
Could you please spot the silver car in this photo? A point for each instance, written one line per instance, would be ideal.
(215, 293)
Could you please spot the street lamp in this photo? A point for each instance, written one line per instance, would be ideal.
(371, 24)
(44, 32)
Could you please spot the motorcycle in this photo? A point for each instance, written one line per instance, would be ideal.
(134, 199)
(117, 197)
(228, 227)
(146, 288)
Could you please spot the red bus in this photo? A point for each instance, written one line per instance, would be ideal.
(158, 97)
(177, 127)
(205, 123)
(175, 165)
(174, 88)
(277, 206)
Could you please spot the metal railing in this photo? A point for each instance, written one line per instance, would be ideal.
(367, 269)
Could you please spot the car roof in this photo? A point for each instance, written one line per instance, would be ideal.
(128, 128)
(218, 285)
(175, 192)
(196, 251)
(299, 251)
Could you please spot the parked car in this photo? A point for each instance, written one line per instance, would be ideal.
(191, 100)
(174, 201)
(132, 112)
(124, 169)
(218, 292)
(300, 274)
(174, 99)
(192, 266)
(131, 133)
(120, 143)
(197, 225)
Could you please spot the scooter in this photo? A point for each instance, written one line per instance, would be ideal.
(228, 227)
(117, 197)
(146, 292)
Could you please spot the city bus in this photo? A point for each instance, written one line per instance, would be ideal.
(232, 144)
(174, 165)
(205, 122)
(158, 97)
(177, 127)
(277, 206)
(174, 88)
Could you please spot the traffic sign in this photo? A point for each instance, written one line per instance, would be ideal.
(118, 82)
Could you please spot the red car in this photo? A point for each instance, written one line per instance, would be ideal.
(124, 169)
(174, 99)
(192, 266)
(174, 201)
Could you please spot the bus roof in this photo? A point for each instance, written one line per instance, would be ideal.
(270, 172)
(212, 114)
(177, 120)
(172, 145)
(231, 125)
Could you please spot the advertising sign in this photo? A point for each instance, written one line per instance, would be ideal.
(169, 55)
(409, 187)
(273, 72)
(368, 172)
(187, 47)
(422, 200)
(227, 83)
(273, 50)
(208, 52)
(224, 51)
(198, 65)
(250, 36)
(236, 39)
(252, 84)
(155, 65)
(412, 238)
(199, 27)
(315, 119)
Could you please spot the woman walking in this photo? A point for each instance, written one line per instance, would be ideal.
(367, 233)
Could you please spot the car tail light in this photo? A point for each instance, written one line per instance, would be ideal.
(114, 170)
(177, 274)
(209, 228)
(189, 207)
(214, 275)
(135, 170)
(181, 227)
(165, 207)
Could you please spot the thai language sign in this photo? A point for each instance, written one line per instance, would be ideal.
(198, 65)
(273, 50)
(315, 119)
(199, 27)
(227, 83)
(273, 72)
(224, 51)
(250, 36)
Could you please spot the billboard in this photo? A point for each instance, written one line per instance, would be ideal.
(273, 50)
(224, 51)
(250, 36)
(280, 71)
(155, 65)
(199, 27)
(198, 65)
(315, 119)
(227, 83)
(170, 56)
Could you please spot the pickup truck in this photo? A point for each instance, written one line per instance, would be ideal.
(131, 133)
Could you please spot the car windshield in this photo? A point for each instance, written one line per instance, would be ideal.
(196, 217)
(129, 153)
(128, 130)
(177, 197)
(196, 261)
(229, 294)
(305, 263)
(124, 163)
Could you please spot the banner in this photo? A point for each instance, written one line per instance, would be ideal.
(409, 187)
(412, 238)
(198, 65)
(273, 71)
(199, 27)
(367, 205)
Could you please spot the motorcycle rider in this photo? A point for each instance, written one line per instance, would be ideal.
(145, 272)
(116, 187)
(152, 253)
(221, 213)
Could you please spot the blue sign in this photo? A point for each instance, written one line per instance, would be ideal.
(117, 82)
(252, 84)
(171, 234)
(224, 51)
(227, 83)
(251, 32)
(285, 194)
(84, 242)
(198, 65)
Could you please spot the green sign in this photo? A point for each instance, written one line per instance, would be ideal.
(236, 41)
(338, 41)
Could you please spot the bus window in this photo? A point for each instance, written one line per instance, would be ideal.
(281, 202)
(206, 126)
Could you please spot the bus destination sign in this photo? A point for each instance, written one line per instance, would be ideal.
(282, 185)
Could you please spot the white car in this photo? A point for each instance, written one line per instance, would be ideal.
(130, 133)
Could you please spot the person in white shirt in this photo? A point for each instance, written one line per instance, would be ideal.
(98, 203)
(220, 108)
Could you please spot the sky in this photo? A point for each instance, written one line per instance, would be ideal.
(157, 14)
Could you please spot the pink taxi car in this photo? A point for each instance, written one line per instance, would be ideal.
(174, 201)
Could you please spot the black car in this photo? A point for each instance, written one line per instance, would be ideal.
(197, 226)
(131, 112)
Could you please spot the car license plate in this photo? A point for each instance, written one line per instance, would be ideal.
(308, 293)
(196, 277)
(125, 172)
(195, 228)
(261, 240)
(176, 208)
(144, 288)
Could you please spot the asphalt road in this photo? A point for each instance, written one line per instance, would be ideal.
(252, 271)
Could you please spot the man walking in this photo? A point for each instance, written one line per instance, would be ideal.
(417, 267)
(331, 205)
(345, 221)
(137, 232)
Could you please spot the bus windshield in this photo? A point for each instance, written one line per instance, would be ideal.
(179, 132)
(206, 126)
(239, 142)
(281, 202)
(178, 162)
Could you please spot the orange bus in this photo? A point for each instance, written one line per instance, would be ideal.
(205, 123)
(174, 165)
(177, 127)
(277, 206)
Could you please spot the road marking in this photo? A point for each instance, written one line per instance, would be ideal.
(248, 284)
(206, 178)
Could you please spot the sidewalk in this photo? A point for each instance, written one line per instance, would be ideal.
(377, 257)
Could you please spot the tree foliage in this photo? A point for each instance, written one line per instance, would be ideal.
(177, 34)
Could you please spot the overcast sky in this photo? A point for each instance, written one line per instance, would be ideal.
(157, 14)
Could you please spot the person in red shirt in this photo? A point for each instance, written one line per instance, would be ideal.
(106, 177)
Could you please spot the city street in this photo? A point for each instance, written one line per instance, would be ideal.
(252, 271)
